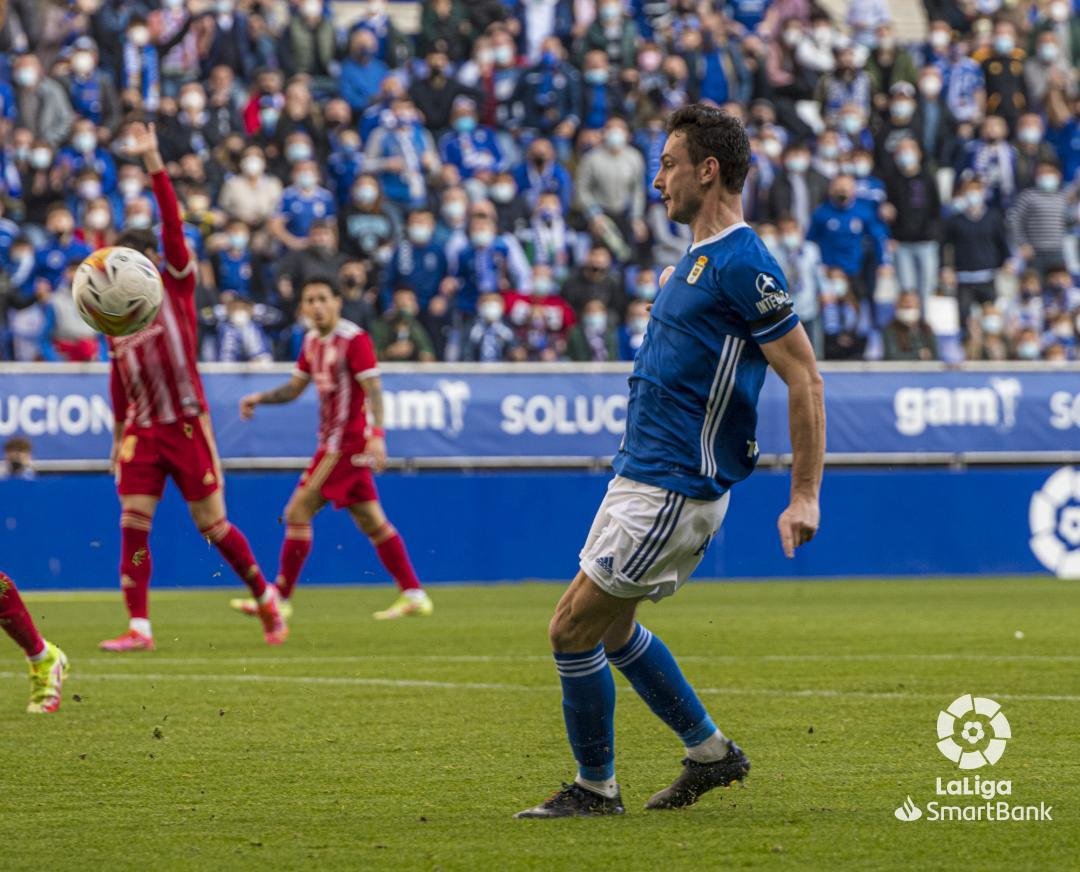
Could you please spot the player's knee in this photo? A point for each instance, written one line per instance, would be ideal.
(568, 634)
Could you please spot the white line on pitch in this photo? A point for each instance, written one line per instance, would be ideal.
(825, 693)
(537, 658)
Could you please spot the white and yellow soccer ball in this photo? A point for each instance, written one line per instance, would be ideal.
(117, 291)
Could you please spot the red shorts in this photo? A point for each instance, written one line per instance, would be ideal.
(183, 451)
(342, 478)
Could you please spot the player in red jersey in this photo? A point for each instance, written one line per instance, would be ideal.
(340, 358)
(162, 425)
(48, 664)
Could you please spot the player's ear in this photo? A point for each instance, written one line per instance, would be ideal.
(708, 170)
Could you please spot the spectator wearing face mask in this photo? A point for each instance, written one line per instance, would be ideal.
(548, 240)
(229, 39)
(595, 280)
(188, 131)
(357, 299)
(91, 89)
(868, 186)
(309, 46)
(418, 263)
(300, 122)
(140, 71)
(540, 173)
(987, 336)
(1031, 149)
(1003, 70)
(302, 204)
(888, 63)
(435, 92)
(85, 186)
(914, 211)
(403, 154)
(253, 195)
(398, 335)
(842, 321)
(97, 229)
(610, 185)
(1060, 294)
(370, 227)
(1027, 345)
(362, 73)
(632, 331)
(908, 336)
(800, 260)
(844, 228)
(546, 293)
(489, 263)
(511, 212)
(938, 141)
(18, 460)
(264, 105)
(1060, 332)
(601, 95)
(901, 122)
(976, 246)
(548, 92)
(489, 339)
(1038, 220)
(320, 259)
(472, 149)
(845, 85)
(798, 189)
(994, 160)
(43, 105)
(594, 338)
(241, 336)
(61, 249)
(344, 166)
(232, 262)
(1047, 64)
(1026, 309)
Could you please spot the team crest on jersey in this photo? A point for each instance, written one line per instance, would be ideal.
(773, 297)
(697, 270)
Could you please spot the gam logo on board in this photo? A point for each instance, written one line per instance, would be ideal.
(920, 409)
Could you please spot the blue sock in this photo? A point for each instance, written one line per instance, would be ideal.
(589, 710)
(649, 667)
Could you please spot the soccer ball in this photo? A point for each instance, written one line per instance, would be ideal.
(117, 291)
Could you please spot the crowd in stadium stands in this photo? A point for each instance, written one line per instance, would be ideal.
(481, 190)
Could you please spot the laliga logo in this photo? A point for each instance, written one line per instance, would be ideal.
(979, 725)
(1054, 518)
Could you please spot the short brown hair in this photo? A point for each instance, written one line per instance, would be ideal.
(711, 132)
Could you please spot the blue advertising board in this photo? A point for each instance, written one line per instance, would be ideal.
(446, 413)
(62, 531)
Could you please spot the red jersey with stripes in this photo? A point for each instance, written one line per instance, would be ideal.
(154, 377)
(336, 363)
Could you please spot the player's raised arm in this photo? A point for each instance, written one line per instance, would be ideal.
(285, 393)
(144, 143)
(792, 357)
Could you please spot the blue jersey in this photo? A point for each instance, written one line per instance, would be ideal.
(693, 394)
(302, 208)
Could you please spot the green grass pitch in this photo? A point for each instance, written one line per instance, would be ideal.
(409, 745)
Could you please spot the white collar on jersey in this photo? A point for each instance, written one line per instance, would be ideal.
(731, 228)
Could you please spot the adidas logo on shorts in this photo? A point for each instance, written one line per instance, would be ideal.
(606, 563)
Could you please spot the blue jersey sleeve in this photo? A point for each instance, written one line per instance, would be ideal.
(754, 286)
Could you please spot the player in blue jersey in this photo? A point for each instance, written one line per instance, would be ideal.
(722, 317)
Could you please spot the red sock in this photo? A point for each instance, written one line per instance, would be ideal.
(294, 551)
(391, 550)
(16, 620)
(234, 547)
(135, 562)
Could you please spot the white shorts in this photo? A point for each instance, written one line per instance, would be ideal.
(646, 541)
